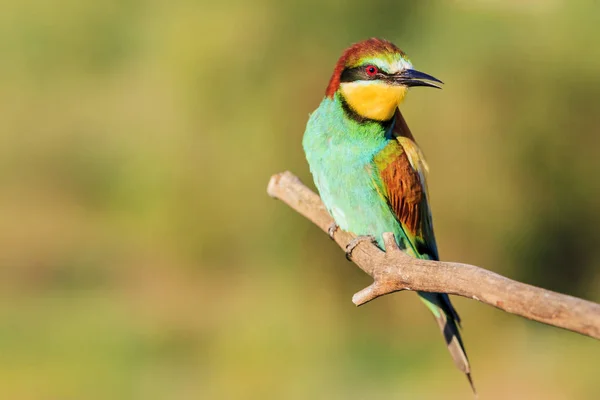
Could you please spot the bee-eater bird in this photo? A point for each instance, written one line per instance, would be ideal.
(367, 167)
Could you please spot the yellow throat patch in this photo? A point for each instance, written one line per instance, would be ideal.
(373, 100)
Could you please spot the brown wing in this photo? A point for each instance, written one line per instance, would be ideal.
(403, 188)
(402, 170)
(402, 175)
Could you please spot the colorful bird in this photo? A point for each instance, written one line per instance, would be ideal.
(369, 171)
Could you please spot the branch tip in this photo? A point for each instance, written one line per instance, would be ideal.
(369, 293)
(364, 296)
(389, 242)
(273, 183)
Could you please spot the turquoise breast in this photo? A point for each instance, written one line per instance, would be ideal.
(340, 154)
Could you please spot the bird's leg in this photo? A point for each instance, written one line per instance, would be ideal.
(355, 242)
(332, 229)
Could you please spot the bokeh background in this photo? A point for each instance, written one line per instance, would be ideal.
(140, 257)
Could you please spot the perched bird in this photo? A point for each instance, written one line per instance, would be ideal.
(369, 171)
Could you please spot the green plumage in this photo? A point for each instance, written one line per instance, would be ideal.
(347, 158)
(340, 153)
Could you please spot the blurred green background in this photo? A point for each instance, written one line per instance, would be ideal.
(140, 257)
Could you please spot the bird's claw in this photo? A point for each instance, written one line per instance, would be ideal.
(332, 229)
(355, 242)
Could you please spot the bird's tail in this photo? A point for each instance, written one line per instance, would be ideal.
(449, 322)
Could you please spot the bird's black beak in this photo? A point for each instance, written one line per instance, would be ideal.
(410, 77)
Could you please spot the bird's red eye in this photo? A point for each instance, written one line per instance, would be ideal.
(371, 70)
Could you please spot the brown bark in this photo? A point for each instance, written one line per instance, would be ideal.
(393, 271)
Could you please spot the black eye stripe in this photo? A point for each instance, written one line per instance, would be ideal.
(360, 74)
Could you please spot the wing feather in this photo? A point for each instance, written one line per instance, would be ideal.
(402, 171)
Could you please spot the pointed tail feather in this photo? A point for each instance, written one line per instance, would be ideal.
(449, 321)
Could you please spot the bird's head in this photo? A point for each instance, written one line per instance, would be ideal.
(373, 77)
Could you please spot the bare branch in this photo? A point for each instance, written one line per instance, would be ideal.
(393, 271)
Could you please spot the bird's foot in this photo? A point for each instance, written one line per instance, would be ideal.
(355, 242)
(332, 229)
